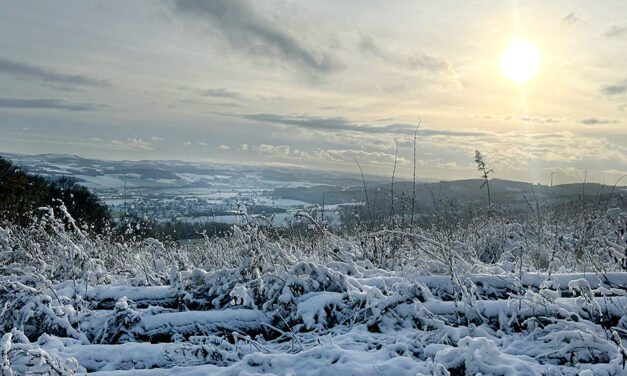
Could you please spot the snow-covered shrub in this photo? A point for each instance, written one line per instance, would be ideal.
(31, 311)
(120, 327)
(586, 301)
(565, 342)
(19, 357)
(481, 355)
(486, 294)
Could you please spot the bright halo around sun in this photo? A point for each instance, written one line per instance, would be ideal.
(520, 61)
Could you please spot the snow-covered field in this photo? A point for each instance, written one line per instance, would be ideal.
(493, 297)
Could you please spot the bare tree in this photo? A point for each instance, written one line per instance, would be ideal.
(484, 173)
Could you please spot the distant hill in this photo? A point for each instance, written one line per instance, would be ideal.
(503, 191)
(97, 174)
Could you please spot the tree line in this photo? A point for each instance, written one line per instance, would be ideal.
(22, 194)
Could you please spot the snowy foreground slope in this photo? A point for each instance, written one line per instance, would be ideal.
(383, 303)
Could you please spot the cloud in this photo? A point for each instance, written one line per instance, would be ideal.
(221, 93)
(349, 156)
(132, 144)
(44, 103)
(223, 147)
(343, 124)
(616, 31)
(571, 18)
(246, 29)
(243, 147)
(31, 72)
(538, 119)
(595, 121)
(512, 151)
(203, 103)
(273, 151)
(614, 89)
(337, 156)
(419, 60)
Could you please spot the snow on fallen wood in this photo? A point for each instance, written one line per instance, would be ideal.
(134, 293)
(203, 321)
(442, 284)
(613, 307)
(139, 355)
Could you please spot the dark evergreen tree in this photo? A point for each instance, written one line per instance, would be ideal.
(22, 194)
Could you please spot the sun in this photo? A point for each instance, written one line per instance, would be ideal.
(520, 61)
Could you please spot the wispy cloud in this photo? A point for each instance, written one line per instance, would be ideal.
(538, 119)
(343, 124)
(614, 89)
(595, 121)
(23, 70)
(616, 31)
(336, 156)
(222, 93)
(132, 144)
(246, 29)
(571, 18)
(418, 60)
(46, 103)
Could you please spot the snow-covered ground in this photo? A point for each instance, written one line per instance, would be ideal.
(386, 302)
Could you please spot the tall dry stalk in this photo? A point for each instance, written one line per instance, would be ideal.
(413, 195)
(392, 186)
(363, 180)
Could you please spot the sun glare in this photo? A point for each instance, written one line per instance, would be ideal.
(520, 61)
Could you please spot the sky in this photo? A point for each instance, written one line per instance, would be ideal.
(320, 84)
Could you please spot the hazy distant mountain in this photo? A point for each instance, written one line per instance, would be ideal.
(97, 173)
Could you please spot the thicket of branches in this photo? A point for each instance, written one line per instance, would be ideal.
(22, 194)
(306, 281)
